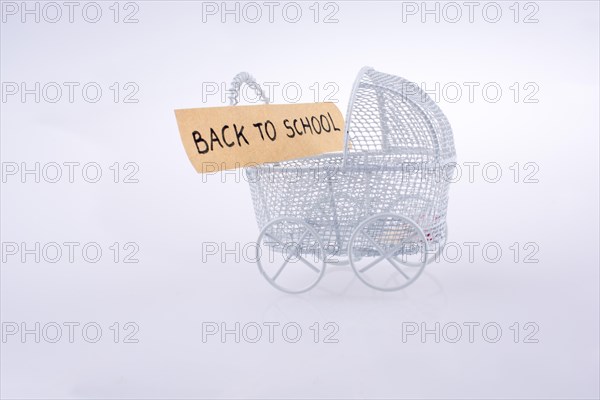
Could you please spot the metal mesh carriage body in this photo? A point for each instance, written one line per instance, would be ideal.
(398, 153)
(380, 201)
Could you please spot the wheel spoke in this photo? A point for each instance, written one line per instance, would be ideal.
(299, 255)
(398, 240)
(306, 232)
(398, 248)
(280, 270)
(371, 264)
(285, 263)
(274, 238)
(379, 249)
(397, 267)
(288, 237)
(385, 255)
(317, 270)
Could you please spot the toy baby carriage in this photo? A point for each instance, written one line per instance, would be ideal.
(379, 206)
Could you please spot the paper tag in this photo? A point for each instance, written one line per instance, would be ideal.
(238, 136)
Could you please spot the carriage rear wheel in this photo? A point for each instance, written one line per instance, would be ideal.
(290, 255)
(388, 251)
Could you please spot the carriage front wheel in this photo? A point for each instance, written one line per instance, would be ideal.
(290, 255)
(388, 251)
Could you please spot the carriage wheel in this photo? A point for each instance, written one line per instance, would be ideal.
(388, 251)
(290, 255)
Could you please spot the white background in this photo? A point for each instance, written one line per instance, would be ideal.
(172, 212)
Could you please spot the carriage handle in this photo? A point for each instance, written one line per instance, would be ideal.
(245, 78)
(236, 86)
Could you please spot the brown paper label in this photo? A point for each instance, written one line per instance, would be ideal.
(232, 137)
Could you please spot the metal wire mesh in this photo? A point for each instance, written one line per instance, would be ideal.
(397, 158)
